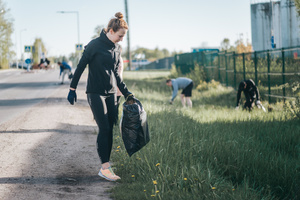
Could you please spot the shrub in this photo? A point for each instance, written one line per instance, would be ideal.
(197, 75)
(293, 108)
(210, 85)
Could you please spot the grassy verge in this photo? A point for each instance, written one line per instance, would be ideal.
(209, 152)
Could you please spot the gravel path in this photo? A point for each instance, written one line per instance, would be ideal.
(49, 152)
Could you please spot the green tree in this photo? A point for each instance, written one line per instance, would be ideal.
(6, 30)
(97, 31)
(150, 54)
(39, 49)
(225, 44)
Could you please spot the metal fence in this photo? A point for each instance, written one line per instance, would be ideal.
(160, 64)
(274, 71)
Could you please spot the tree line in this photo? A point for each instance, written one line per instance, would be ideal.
(7, 54)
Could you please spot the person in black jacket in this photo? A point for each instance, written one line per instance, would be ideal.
(103, 57)
(251, 93)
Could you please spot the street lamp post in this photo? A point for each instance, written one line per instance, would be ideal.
(76, 12)
(128, 38)
(21, 47)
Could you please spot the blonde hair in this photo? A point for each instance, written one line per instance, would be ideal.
(116, 23)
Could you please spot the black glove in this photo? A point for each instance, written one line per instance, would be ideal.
(129, 96)
(72, 96)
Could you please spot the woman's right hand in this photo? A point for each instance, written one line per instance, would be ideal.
(129, 96)
(72, 96)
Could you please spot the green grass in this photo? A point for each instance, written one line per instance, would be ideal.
(210, 151)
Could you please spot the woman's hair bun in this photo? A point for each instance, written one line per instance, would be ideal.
(119, 15)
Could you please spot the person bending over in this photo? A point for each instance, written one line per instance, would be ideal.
(186, 85)
(251, 93)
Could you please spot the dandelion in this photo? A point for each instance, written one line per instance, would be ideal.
(152, 195)
(132, 176)
(213, 188)
(118, 147)
(157, 191)
(185, 179)
(157, 164)
(155, 182)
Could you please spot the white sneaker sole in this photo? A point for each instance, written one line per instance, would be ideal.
(105, 177)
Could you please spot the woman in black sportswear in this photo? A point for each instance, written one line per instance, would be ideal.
(103, 57)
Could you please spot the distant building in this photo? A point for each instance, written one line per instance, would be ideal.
(136, 64)
(204, 49)
(274, 24)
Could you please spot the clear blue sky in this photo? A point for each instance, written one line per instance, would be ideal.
(173, 24)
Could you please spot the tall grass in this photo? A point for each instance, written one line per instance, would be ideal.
(210, 151)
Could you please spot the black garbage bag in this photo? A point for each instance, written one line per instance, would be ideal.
(134, 126)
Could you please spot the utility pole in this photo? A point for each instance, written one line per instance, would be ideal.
(128, 38)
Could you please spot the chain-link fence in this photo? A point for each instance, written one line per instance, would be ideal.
(160, 64)
(276, 72)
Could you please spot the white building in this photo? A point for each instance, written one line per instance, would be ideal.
(277, 18)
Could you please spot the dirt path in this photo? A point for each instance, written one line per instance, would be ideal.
(50, 152)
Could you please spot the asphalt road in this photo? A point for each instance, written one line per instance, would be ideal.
(20, 90)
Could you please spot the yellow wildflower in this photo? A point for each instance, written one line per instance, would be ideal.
(213, 188)
(132, 176)
(185, 179)
(154, 182)
(233, 189)
(117, 150)
(157, 164)
(144, 190)
(157, 191)
(118, 147)
(152, 195)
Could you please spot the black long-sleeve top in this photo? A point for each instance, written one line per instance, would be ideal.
(103, 58)
(250, 89)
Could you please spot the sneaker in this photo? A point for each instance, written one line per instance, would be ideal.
(108, 174)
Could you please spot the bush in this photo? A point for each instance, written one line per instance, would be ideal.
(293, 107)
(206, 86)
(197, 75)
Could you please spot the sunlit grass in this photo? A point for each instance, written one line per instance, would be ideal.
(211, 151)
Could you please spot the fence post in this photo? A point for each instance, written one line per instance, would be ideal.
(255, 67)
(244, 67)
(269, 83)
(283, 75)
(234, 70)
(226, 69)
(219, 65)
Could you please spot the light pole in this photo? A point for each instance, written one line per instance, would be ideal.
(21, 47)
(76, 12)
(128, 38)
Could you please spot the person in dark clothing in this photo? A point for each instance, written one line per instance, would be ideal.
(103, 57)
(251, 93)
(44, 62)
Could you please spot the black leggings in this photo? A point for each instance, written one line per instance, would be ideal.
(105, 114)
(249, 101)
